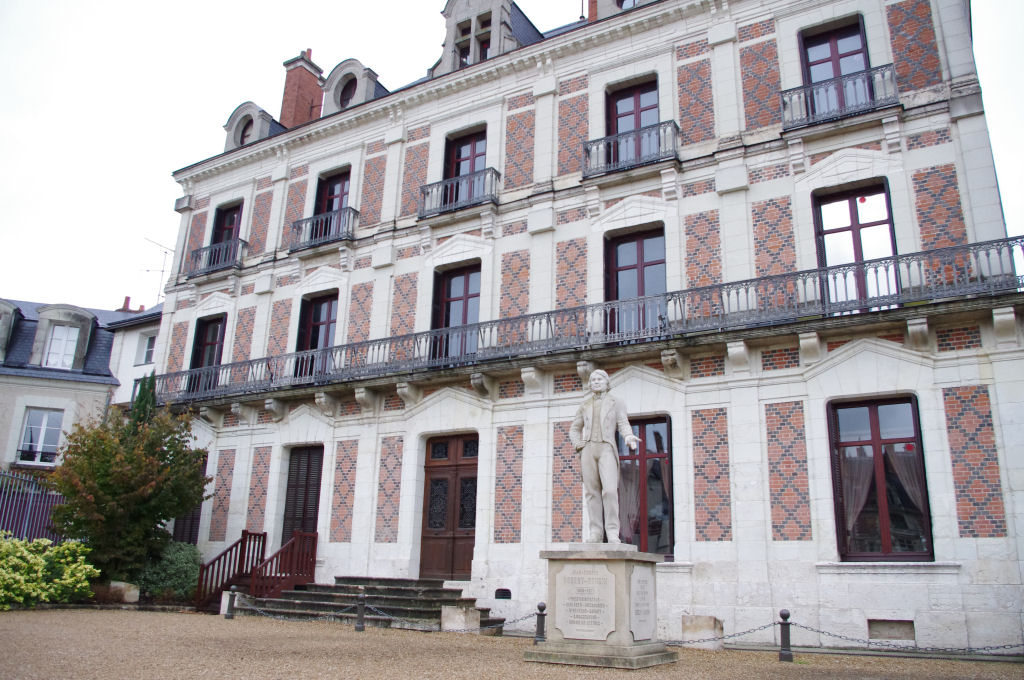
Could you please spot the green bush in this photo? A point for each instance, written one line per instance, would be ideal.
(37, 571)
(174, 575)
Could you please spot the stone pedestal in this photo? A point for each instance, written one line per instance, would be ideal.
(602, 608)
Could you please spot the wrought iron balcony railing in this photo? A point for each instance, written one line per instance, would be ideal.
(460, 192)
(313, 231)
(224, 255)
(840, 97)
(972, 270)
(625, 150)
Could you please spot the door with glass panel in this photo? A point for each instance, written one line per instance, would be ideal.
(206, 355)
(631, 114)
(836, 67)
(645, 488)
(636, 282)
(449, 507)
(456, 312)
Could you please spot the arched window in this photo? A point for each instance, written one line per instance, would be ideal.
(348, 91)
(245, 135)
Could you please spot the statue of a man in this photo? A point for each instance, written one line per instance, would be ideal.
(593, 435)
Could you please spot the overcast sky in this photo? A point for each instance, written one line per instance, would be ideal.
(103, 99)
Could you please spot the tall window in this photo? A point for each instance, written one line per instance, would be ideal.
(144, 354)
(317, 321)
(636, 268)
(206, 354)
(61, 346)
(457, 304)
(302, 493)
(879, 482)
(226, 224)
(630, 112)
(40, 436)
(853, 228)
(331, 197)
(464, 158)
(830, 58)
(348, 92)
(645, 488)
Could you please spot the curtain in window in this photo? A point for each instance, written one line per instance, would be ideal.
(629, 500)
(905, 463)
(858, 472)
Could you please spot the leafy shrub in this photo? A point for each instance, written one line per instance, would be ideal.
(37, 571)
(174, 575)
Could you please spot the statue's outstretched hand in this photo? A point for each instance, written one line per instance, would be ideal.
(632, 442)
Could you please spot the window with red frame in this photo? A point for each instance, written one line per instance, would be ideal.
(636, 269)
(878, 477)
(207, 349)
(226, 224)
(457, 304)
(831, 56)
(630, 111)
(645, 488)
(464, 157)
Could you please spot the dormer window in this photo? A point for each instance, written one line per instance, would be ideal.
(245, 135)
(61, 346)
(463, 56)
(348, 91)
(485, 48)
(62, 337)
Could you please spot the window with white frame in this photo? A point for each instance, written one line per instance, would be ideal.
(40, 436)
(144, 354)
(60, 347)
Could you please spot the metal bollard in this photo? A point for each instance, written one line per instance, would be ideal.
(785, 653)
(360, 613)
(540, 636)
(230, 613)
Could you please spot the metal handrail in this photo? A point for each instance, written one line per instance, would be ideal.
(460, 192)
(294, 564)
(947, 273)
(625, 150)
(338, 225)
(234, 562)
(847, 95)
(224, 255)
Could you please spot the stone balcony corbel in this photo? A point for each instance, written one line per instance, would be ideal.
(1004, 325)
(810, 348)
(917, 334)
(409, 393)
(246, 413)
(533, 380)
(739, 356)
(675, 364)
(214, 415)
(367, 399)
(484, 385)
(328, 404)
(277, 409)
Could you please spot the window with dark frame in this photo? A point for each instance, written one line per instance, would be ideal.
(318, 318)
(635, 269)
(878, 477)
(829, 58)
(245, 135)
(630, 111)
(645, 488)
(207, 349)
(465, 156)
(186, 527)
(348, 92)
(332, 194)
(457, 304)
(40, 436)
(854, 227)
(484, 46)
(302, 491)
(226, 229)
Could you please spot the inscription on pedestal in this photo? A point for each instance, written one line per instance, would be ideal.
(641, 598)
(585, 602)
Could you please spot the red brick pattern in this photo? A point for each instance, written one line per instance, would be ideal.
(571, 273)
(416, 158)
(937, 199)
(375, 147)
(573, 85)
(780, 357)
(255, 517)
(280, 315)
(972, 446)
(393, 402)
(183, 303)
(787, 471)
(707, 367)
(704, 186)
(389, 488)
(566, 488)
(515, 284)
(407, 252)
(692, 49)
(914, 51)
(222, 495)
(403, 305)
(572, 132)
(568, 382)
(759, 64)
(360, 308)
(295, 207)
(247, 289)
(923, 140)
(201, 203)
(511, 389)
(898, 338)
(755, 30)
(773, 236)
(363, 263)
(179, 337)
(703, 249)
(260, 223)
(513, 228)
(373, 190)
(570, 215)
(196, 236)
(264, 183)
(244, 324)
(289, 280)
(520, 101)
(768, 172)
(416, 134)
(696, 103)
(519, 135)
(508, 485)
(833, 345)
(711, 492)
(344, 490)
(954, 339)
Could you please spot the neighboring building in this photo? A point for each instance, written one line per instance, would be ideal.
(55, 372)
(775, 223)
(133, 352)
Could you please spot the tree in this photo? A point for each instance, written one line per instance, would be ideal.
(123, 478)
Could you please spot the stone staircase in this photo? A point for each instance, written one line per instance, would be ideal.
(405, 603)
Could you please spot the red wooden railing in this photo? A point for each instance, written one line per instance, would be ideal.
(237, 561)
(294, 564)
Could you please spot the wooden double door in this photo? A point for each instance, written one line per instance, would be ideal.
(449, 507)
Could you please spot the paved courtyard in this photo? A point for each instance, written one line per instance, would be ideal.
(109, 644)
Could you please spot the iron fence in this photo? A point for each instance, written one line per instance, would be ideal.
(626, 150)
(460, 192)
(225, 255)
(338, 225)
(847, 95)
(25, 507)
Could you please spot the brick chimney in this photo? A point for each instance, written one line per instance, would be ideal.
(127, 306)
(592, 11)
(303, 96)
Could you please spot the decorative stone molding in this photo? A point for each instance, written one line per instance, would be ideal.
(797, 158)
(584, 369)
(246, 413)
(327, 403)
(891, 130)
(484, 385)
(1004, 324)
(487, 225)
(917, 333)
(277, 409)
(592, 196)
(183, 204)
(533, 380)
(810, 348)
(409, 393)
(669, 184)
(675, 364)
(367, 399)
(739, 356)
(213, 415)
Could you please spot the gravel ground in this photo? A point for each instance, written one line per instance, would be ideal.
(60, 644)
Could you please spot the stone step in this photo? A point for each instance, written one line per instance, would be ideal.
(389, 591)
(381, 601)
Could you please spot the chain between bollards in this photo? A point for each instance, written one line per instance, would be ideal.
(230, 613)
(785, 652)
(541, 615)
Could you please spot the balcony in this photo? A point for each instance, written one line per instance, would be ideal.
(317, 230)
(216, 257)
(461, 192)
(980, 269)
(632, 149)
(840, 97)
